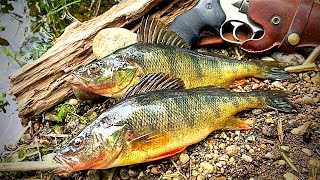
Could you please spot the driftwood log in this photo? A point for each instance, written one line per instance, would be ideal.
(42, 84)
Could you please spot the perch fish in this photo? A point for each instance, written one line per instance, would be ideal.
(157, 124)
(160, 50)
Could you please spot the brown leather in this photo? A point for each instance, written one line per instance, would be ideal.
(297, 16)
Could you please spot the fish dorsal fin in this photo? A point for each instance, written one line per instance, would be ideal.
(155, 32)
(153, 82)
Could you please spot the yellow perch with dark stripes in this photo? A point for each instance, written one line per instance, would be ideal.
(159, 124)
(161, 50)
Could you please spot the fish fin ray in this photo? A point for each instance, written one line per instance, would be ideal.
(151, 27)
(153, 82)
(236, 123)
(167, 154)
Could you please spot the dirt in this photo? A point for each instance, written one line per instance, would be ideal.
(257, 154)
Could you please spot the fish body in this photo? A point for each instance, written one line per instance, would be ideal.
(159, 124)
(160, 50)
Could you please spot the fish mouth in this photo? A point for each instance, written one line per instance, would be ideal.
(64, 162)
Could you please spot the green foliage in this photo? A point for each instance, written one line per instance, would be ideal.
(3, 102)
(66, 112)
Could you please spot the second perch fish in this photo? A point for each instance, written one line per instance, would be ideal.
(160, 50)
(159, 124)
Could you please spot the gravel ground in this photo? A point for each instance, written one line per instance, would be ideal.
(259, 153)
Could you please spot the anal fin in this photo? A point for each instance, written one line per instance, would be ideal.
(237, 124)
(168, 153)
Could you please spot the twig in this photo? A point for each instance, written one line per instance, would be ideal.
(313, 55)
(29, 165)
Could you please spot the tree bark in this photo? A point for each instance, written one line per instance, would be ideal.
(42, 84)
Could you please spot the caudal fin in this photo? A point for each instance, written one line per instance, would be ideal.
(277, 100)
(275, 71)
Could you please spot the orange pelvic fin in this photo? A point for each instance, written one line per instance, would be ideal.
(237, 124)
(149, 141)
(167, 154)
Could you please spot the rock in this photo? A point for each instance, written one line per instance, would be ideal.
(224, 158)
(26, 138)
(73, 101)
(208, 156)
(50, 117)
(301, 129)
(290, 176)
(313, 89)
(316, 79)
(232, 150)
(246, 158)
(184, 158)
(269, 155)
(280, 163)
(277, 84)
(133, 173)
(124, 174)
(232, 160)
(111, 39)
(93, 174)
(293, 123)
(307, 99)
(154, 170)
(256, 111)
(269, 121)
(314, 163)
(285, 148)
(251, 139)
(222, 146)
(251, 151)
(207, 167)
(291, 59)
(141, 175)
(247, 146)
(316, 100)
(307, 151)
(318, 109)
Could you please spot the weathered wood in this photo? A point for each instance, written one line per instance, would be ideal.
(30, 166)
(41, 84)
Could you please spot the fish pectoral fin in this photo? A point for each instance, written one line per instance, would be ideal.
(153, 82)
(149, 141)
(154, 31)
(236, 123)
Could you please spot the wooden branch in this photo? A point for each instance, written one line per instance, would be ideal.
(42, 84)
(29, 165)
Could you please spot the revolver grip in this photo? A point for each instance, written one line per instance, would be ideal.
(205, 14)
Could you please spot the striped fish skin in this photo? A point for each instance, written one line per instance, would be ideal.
(193, 68)
(159, 124)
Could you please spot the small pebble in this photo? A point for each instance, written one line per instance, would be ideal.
(154, 170)
(277, 84)
(316, 79)
(307, 100)
(269, 155)
(269, 121)
(207, 167)
(124, 174)
(246, 158)
(284, 148)
(232, 150)
(184, 158)
(247, 146)
(251, 151)
(73, 101)
(250, 139)
(133, 173)
(293, 123)
(224, 157)
(290, 176)
(301, 129)
(222, 146)
(280, 163)
(256, 111)
(307, 151)
(141, 175)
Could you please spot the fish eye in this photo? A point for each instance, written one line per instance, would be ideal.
(77, 142)
(94, 68)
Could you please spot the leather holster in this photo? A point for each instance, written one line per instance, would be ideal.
(287, 24)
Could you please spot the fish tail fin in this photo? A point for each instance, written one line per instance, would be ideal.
(277, 100)
(274, 70)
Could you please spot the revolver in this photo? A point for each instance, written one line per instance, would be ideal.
(288, 24)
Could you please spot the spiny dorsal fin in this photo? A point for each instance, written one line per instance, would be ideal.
(153, 82)
(155, 32)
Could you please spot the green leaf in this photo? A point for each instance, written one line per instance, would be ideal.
(6, 52)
